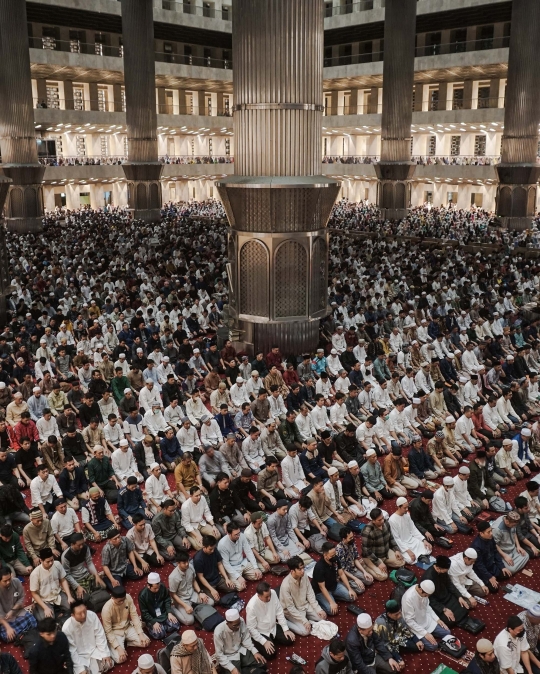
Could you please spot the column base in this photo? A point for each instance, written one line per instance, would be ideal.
(293, 337)
(24, 225)
(147, 215)
(393, 213)
(516, 223)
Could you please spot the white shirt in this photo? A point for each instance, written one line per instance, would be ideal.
(338, 413)
(148, 397)
(87, 642)
(508, 651)
(64, 525)
(123, 463)
(319, 417)
(155, 488)
(262, 617)
(239, 395)
(188, 439)
(444, 504)
(491, 416)
(211, 434)
(292, 471)
(46, 428)
(462, 575)
(305, 426)
(420, 618)
(42, 491)
(461, 493)
(464, 426)
(154, 422)
(406, 534)
(195, 515)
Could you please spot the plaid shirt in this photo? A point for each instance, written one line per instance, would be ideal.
(377, 542)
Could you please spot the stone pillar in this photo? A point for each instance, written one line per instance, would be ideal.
(117, 97)
(467, 94)
(93, 93)
(395, 169)
(24, 207)
(518, 171)
(278, 204)
(443, 95)
(4, 259)
(182, 102)
(41, 91)
(494, 86)
(201, 102)
(220, 104)
(373, 104)
(142, 170)
(68, 95)
(162, 102)
(353, 103)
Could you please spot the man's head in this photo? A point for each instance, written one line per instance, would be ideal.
(233, 531)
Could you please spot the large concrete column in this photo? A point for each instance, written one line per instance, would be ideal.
(518, 170)
(395, 168)
(142, 169)
(24, 205)
(278, 204)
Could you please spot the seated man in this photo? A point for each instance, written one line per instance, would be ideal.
(190, 655)
(527, 532)
(512, 648)
(419, 509)
(37, 535)
(81, 574)
(247, 491)
(64, 523)
(131, 503)
(211, 464)
(144, 540)
(270, 487)
(392, 629)
(226, 504)
(97, 518)
(49, 588)
(51, 652)
(283, 536)
(468, 507)
(374, 478)
(410, 541)
(120, 562)
(197, 519)
(187, 475)
(305, 522)
(420, 618)
(298, 600)
(124, 463)
(235, 650)
(261, 543)
(155, 607)
(14, 619)
(322, 506)
(171, 452)
(12, 553)
(338, 504)
(43, 490)
(185, 591)
(87, 640)
(292, 473)
(171, 537)
(211, 574)
(489, 564)
(464, 578)
(101, 475)
(122, 624)
(350, 561)
(367, 650)
(446, 511)
(505, 537)
(329, 582)
(266, 622)
(73, 483)
(333, 658)
(445, 600)
(238, 558)
(157, 489)
(379, 549)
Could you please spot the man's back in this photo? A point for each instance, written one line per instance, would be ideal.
(52, 658)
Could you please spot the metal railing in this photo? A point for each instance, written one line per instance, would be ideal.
(225, 14)
(79, 104)
(190, 60)
(352, 59)
(352, 109)
(457, 47)
(348, 8)
(456, 160)
(208, 110)
(350, 159)
(112, 160)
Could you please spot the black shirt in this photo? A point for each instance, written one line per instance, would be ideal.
(51, 659)
(27, 459)
(325, 573)
(7, 467)
(207, 565)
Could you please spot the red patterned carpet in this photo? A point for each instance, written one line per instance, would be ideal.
(309, 648)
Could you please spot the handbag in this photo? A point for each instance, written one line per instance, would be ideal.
(452, 646)
(472, 625)
(497, 504)
(443, 542)
(207, 617)
(229, 599)
(279, 570)
(96, 600)
(403, 577)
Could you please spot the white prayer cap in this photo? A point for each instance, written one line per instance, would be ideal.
(424, 364)
(146, 661)
(123, 443)
(239, 380)
(153, 578)
(364, 621)
(333, 352)
(509, 357)
(189, 637)
(401, 501)
(165, 359)
(231, 615)
(154, 465)
(462, 380)
(121, 355)
(36, 389)
(332, 471)
(371, 452)
(449, 419)
(447, 480)
(428, 586)
(352, 464)
(526, 432)
(126, 390)
(471, 553)
(464, 470)
(416, 401)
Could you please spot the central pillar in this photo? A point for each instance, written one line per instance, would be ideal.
(24, 204)
(142, 169)
(395, 168)
(278, 204)
(518, 171)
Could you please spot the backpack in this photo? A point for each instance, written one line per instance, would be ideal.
(333, 532)
(207, 617)
(163, 656)
(403, 577)
(452, 646)
(229, 599)
(279, 570)
(472, 625)
(497, 504)
(398, 592)
(316, 542)
(27, 641)
(96, 600)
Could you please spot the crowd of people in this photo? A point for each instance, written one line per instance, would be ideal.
(136, 442)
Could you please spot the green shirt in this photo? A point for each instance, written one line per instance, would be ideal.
(118, 385)
(149, 601)
(100, 471)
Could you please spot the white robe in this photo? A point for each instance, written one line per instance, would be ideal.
(87, 643)
(418, 615)
(407, 536)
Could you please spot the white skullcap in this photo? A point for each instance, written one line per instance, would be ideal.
(2, 384)
(449, 419)
(153, 578)
(154, 465)
(332, 471)
(364, 621)
(371, 452)
(416, 401)
(146, 661)
(447, 480)
(36, 389)
(333, 352)
(165, 359)
(509, 357)
(239, 380)
(123, 443)
(471, 553)
(121, 355)
(464, 470)
(126, 390)
(231, 615)
(189, 637)
(149, 381)
(462, 380)
(352, 464)
(401, 501)
(428, 586)
(424, 364)
(526, 432)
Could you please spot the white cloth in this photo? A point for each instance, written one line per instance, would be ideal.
(123, 464)
(461, 493)
(195, 515)
(407, 536)
(87, 643)
(262, 617)
(462, 575)
(420, 618)
(41, 491)
(444, 504)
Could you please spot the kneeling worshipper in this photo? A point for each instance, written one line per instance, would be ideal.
(233, 644)
(14, 619)
(393, 630)
(485, 661)
(190, 656)
(489, 564)
(445, 599)
(505, 537)
(410, 541)
(462, 573)
(531, 623)
(420, 618)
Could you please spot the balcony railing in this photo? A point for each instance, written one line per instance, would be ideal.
(352, 59)
(209, 110)
(348, 8)
(456, 160)
(106, 105)
(457, 47)
(351, 159)
(112, 160)
(190, 60)
(225, 14)
(352, 109)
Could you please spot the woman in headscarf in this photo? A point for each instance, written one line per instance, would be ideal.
(190, 656)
